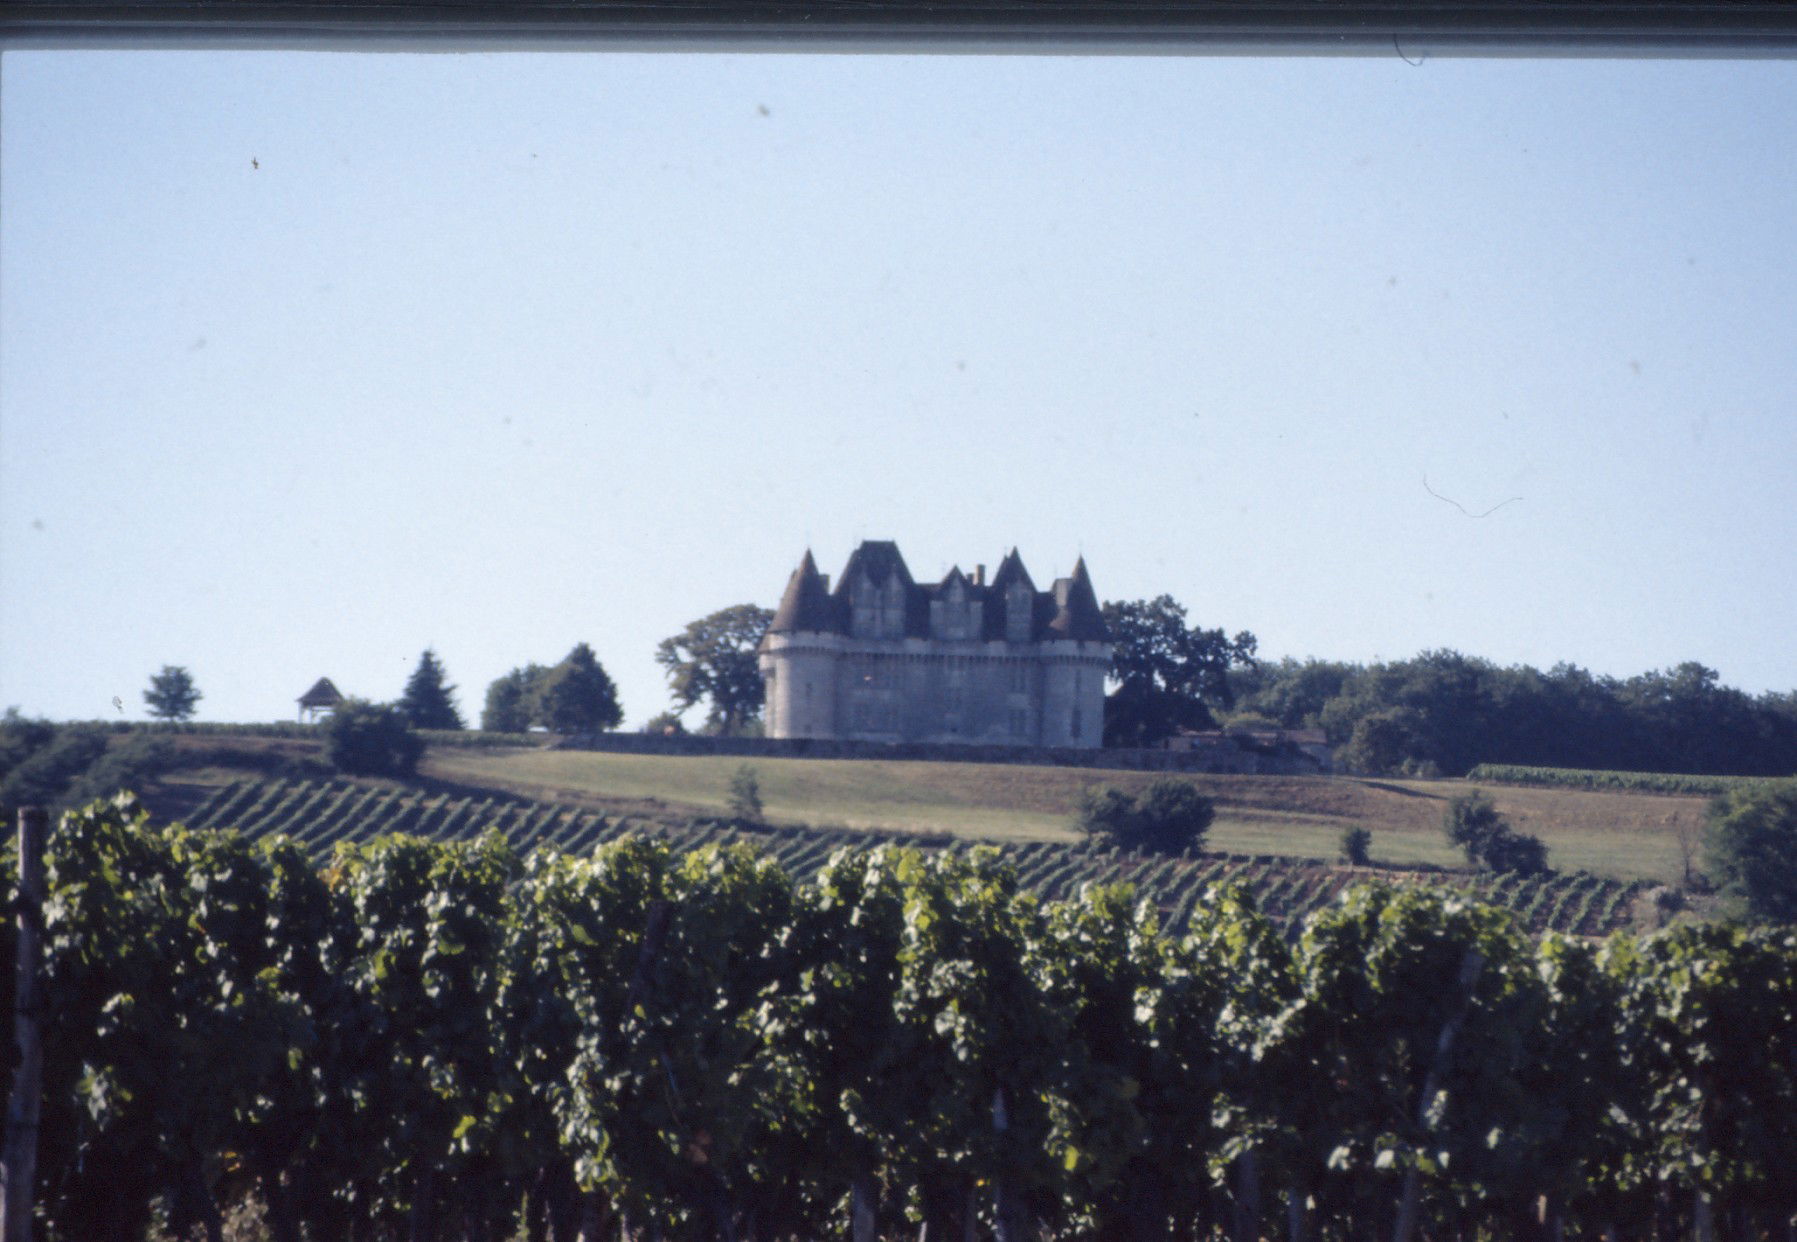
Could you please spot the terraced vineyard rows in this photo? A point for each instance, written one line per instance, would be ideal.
(319, 814)
(1633, 782)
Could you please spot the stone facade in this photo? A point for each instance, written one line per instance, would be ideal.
(883, 658)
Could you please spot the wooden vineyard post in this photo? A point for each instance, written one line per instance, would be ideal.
(18, 1158)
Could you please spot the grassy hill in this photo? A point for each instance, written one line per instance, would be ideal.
(1623, 834)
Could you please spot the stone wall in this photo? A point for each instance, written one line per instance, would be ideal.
(1228, 755)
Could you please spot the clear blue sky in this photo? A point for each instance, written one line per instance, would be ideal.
(309, 361)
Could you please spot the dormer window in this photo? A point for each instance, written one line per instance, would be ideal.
(1019, 601)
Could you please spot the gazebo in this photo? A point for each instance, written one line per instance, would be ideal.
(321, 699)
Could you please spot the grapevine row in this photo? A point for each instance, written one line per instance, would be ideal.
(450, 1041)
(321, 814)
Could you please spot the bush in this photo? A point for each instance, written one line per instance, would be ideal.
(1473, 823)
(1168, 818)
(1356, 846)
(372, 739)
(745, 794)
(1751, 842)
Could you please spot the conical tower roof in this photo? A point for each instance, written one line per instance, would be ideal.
(1009, 569)
(1077, 615)
(806, 605)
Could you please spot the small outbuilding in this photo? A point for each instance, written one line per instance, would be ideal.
(321, 700)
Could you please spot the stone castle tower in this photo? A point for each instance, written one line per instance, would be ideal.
(883, 658)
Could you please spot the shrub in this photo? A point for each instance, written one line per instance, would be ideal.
(1356, 846)
(1751, 842)
(745, 794)
(1473, 823)
(372, 739)
(1169, 817)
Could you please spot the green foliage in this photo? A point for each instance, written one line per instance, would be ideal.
(45, 761)
(1751, 842)
(20, 737)
(1473, 824)
(513, 700)
(428, 703)
(371, 739)
(1637, 782)
(1454, 711)
(1287, 889)
(745, 794)
(1383, 742)
(713, 660)
(172, 694)
(1169, 675)
(1168, 817)
(1357, 846)
(440, 1039)
(665, 724)
(129, 765)
(576, 696)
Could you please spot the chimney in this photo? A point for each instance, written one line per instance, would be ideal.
(979, 575)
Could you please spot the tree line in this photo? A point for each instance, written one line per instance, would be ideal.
(1440, 712)
(436, 1041)
(1447, 712)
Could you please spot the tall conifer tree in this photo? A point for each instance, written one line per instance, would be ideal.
(427, 702)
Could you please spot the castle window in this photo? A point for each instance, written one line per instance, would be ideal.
(1073, 727)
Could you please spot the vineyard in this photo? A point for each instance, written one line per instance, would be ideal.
(319, 814)
(454, 1040)
(1631, 782)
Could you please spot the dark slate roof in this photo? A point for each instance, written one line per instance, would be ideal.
(880, 560)
(1077, 614)
(322, 694)
(1069, 610)
(1009, 568)
(807, 604)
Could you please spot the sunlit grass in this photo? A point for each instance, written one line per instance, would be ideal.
(1621, 834)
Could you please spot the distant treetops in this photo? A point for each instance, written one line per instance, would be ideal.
(575, 696)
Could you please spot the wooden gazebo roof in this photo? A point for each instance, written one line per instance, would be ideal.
(322, 694)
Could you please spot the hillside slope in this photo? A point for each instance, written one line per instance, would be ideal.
(319, 814)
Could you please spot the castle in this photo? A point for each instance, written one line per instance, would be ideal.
(883, 658)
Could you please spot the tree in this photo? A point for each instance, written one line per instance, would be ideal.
(1473, 823)
(1169, 675)
(512, 700)
(172, 694)
(577, 697)
(1168, 817)
(745, 794)
(714, 660)
(372, 739)
(427, 702)
(1382, 742)
(1751, 840)
(1357, 846)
